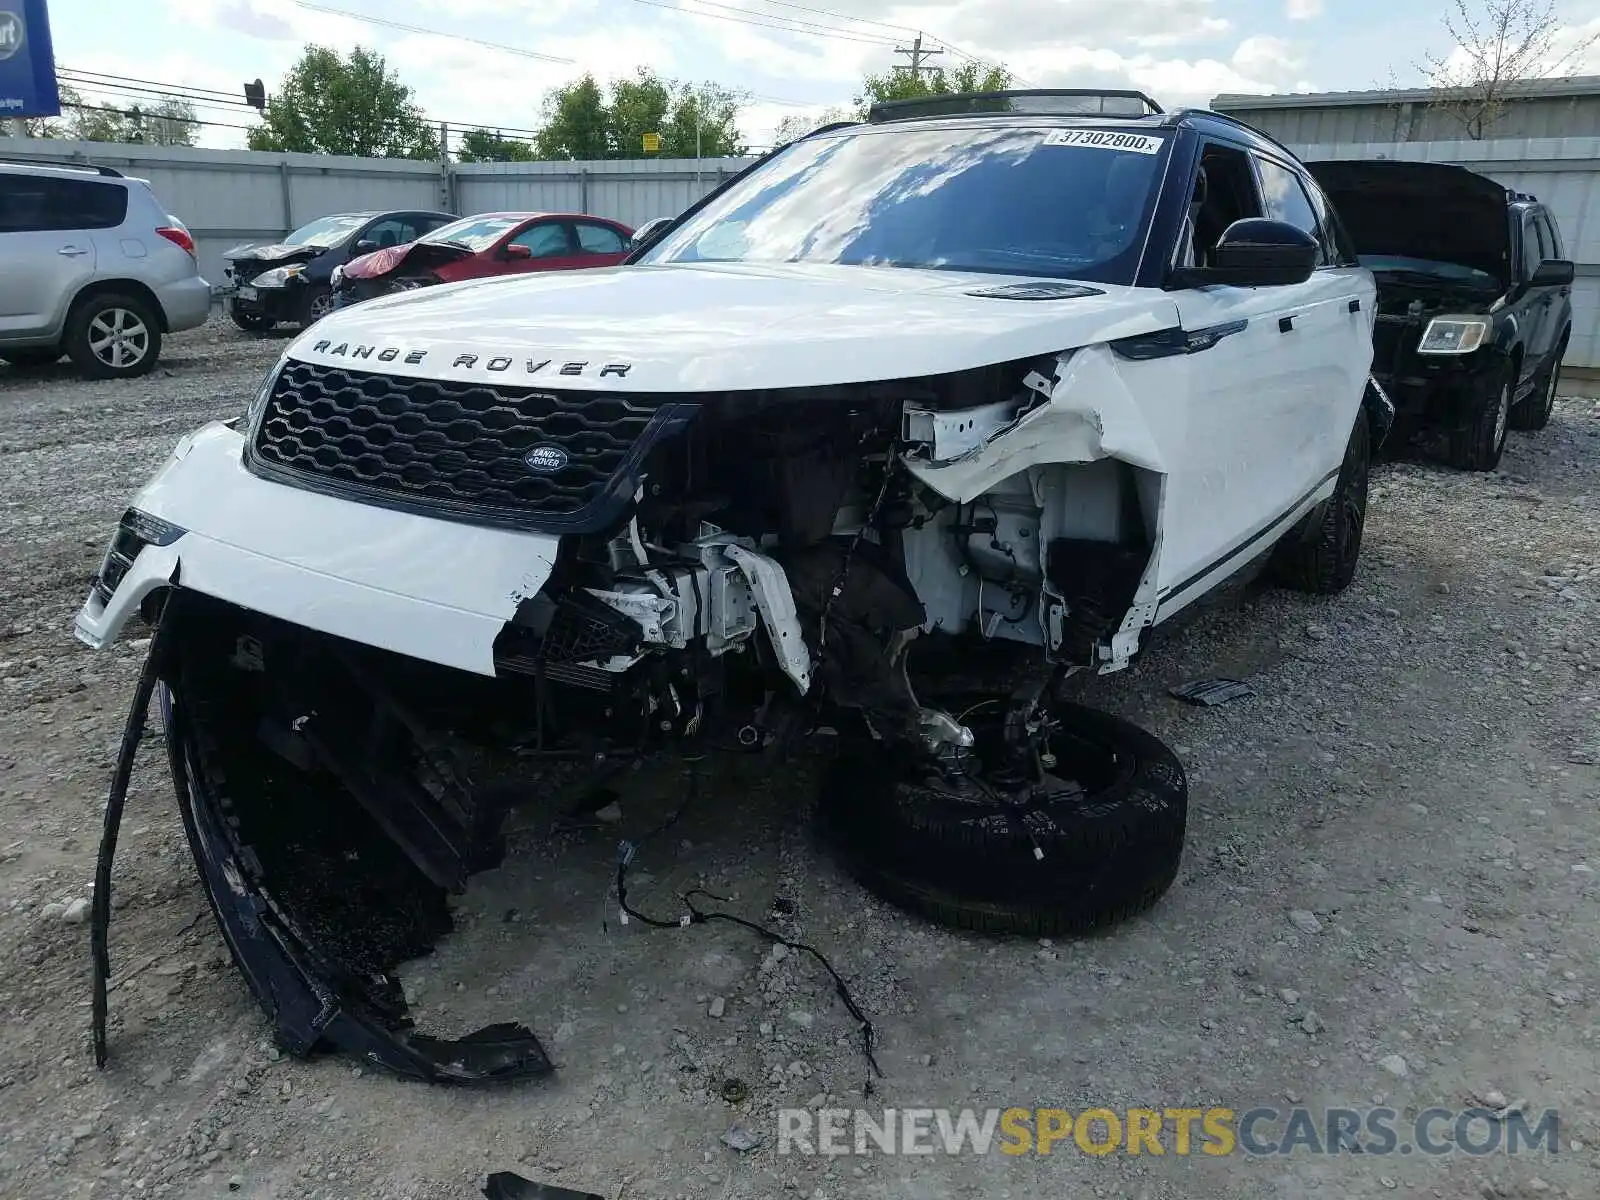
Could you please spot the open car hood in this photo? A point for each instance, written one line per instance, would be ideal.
(425, 254)
(728, 326)
(278, 253)
(1421, 210)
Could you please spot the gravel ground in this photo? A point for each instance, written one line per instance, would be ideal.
(1388, 897)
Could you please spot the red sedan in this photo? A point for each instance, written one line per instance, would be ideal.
(484, 245)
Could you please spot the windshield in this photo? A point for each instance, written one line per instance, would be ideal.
(475, 233)
(1447, 272)
(1060, 203)
(325, 231)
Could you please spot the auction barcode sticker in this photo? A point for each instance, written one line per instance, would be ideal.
(1104, 139)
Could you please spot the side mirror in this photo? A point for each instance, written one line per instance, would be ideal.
(649, 231)
(1553, 272)
(1256, 252)
(517, 250)
(366, 246)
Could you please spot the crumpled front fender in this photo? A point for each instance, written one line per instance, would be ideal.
(1090, 414)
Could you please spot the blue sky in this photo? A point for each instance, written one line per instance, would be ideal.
(1181, 51)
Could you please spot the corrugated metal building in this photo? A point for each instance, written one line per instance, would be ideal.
(1545, 108)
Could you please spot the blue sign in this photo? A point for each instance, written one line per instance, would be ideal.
(27, 62)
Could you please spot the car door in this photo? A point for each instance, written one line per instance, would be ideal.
(1247, 395)
(1559, 314)
(551, 246)
(44, 257)
(1332, 323)
(601, 243)
(1538, 332)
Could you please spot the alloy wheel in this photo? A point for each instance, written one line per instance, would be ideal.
(119, 338)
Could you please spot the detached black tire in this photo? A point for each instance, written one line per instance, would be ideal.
(1064, 859)
(1480, 441)
(1325, 565)
(113, 336)
(32, 357)
(250, 322)
(1534, 412)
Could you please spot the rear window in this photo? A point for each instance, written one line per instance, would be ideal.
(1068, 203)
(32, 203)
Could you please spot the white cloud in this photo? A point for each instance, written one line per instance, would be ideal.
(1302, 10)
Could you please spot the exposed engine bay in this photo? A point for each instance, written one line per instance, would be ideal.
(781, 537)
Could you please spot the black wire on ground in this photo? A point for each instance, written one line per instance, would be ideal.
(100, 909)
(696, 916)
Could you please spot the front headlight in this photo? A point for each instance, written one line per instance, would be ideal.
(279, 276)
(1453, 335)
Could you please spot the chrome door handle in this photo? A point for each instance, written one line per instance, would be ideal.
(72, 251)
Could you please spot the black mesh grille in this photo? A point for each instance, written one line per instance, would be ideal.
(459, 450)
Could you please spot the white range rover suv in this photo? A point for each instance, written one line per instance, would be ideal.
(1040, 368)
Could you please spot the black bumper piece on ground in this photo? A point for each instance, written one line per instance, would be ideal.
(316, 999)
(272, 304)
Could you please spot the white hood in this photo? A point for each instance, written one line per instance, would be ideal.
(724, 326)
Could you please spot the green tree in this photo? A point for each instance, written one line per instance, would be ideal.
(710, 111)
(479, 145)
(575, 122)
(167, 122)
(332, 105)
(638, 106)
(901, 83)
(582, 122)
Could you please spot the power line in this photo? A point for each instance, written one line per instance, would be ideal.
(231, 97)
(121, 112)
(798, 25)
(460, 37)
(822, 12)
(817, 31)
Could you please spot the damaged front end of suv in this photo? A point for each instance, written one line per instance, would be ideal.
(473, 545)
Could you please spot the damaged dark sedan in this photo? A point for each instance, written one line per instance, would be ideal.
(1474, 298)
(291, 280)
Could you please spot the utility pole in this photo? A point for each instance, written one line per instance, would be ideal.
(916, 54)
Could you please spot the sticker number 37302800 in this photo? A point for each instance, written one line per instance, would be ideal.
(1104, 139)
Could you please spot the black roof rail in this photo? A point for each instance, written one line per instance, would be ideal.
(17, 160)
(1047, 102)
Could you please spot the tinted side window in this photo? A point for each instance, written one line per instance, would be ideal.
(1334, 235)
(391, 232)
(33, 202)
(598, 239)
(1533, 249)
(543, 241)
(1552, 235)
(1285, 200)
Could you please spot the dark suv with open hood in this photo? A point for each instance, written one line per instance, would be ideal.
(1474, 297)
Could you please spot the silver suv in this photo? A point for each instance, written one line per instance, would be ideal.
(95, 268)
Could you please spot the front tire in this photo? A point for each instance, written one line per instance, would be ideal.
(1478, 444)
(1325, 565)
(1096, 840)
(315, 304)
(113, 336)
(250, 322)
